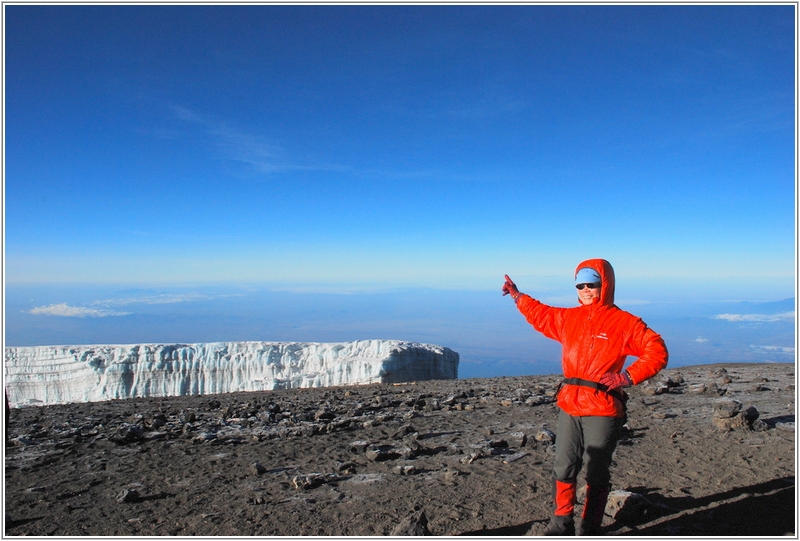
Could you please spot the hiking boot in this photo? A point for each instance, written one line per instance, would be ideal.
(588, 529)
(560, 525)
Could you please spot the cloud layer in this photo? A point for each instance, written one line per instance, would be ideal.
(65, 310)
(774, 349)
(757, 318)
(164, 298)
(104, 308)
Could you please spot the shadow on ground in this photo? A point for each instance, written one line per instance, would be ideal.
(506, 531)
(765, 509)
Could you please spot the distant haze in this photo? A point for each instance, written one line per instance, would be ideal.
(485, 328)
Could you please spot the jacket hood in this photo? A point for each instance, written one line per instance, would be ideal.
(606, 272)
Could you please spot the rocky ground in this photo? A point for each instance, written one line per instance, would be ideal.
(707, 450)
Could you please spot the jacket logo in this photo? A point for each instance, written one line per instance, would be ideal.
(602, 335)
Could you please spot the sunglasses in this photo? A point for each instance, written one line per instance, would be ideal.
(590, 286)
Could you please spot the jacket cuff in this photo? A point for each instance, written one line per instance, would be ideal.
(628, 375)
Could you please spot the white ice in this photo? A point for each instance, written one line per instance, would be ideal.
(65, 374)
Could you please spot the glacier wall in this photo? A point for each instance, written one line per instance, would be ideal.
(64, 374)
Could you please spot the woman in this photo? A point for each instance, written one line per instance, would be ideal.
(596, 338)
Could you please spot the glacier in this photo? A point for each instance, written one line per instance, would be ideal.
(44, 375)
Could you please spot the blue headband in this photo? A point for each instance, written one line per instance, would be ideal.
(587, 276)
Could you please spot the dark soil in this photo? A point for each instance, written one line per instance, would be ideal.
(464, 457)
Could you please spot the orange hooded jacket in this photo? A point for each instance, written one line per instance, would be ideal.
(596, 339)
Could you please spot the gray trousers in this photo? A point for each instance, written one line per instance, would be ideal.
(589, 440)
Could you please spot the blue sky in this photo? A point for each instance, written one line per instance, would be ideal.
(347, 153)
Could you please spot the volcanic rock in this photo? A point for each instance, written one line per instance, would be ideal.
(237, 464)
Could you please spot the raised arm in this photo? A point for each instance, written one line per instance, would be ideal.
(548, 320)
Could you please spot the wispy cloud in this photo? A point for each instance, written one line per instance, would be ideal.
(266, 156)
(774, 349)
(107, 307)
(235, 144)
(757, 318)
(164, 298)
(701, 340)
(65, 310)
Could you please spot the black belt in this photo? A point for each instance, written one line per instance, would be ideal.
(617, 393)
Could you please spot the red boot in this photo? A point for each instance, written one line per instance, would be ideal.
(562, 522)
(593, 509)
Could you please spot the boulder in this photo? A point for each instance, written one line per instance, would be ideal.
(725, 408)
(626, 506)
(743, 420)
(517, 439)
(545, 435)
(129, 495)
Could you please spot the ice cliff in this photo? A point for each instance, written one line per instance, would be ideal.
(64, 374)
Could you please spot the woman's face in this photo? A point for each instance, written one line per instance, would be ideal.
(589, 294)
